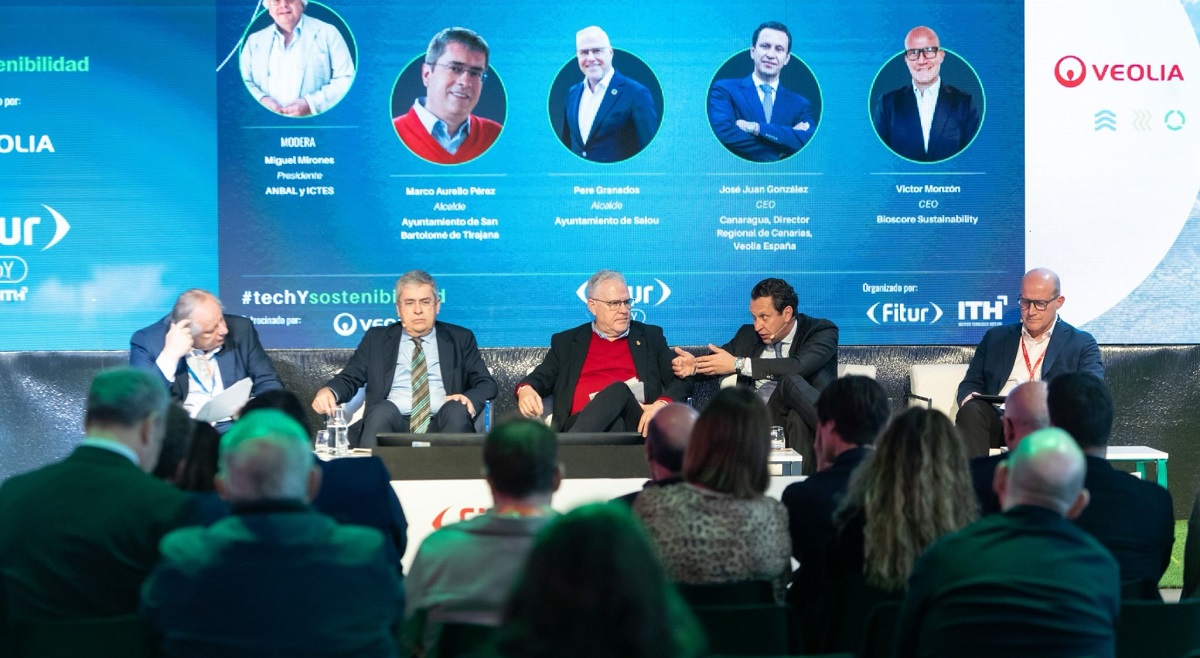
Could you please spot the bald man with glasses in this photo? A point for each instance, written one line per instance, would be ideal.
(926, 121)
(589, 369)
(1038, 348)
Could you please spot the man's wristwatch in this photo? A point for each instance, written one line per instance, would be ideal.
(737, 365)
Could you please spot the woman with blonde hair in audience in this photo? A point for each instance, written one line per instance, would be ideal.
(717, 526)
(913, 489)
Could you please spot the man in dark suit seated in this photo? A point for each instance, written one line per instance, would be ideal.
(1027, 582)
(589, 368)
(756, 117)
(1041, 347)
(464, 571)
(275, 577)
(1132, 518)
(927, 121)
(608, 117)
(436, 383)
(788, 357)
(198, 351)
(78, 537)
(667, 437)
(1024, 413)
(852, 411)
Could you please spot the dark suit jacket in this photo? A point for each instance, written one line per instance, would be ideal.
(1070, 350)
(78, 537)
(242, 356)
(813, 354)
(624, 124)
(983, 470)
(810, 505)
(358, 491)
(559, 371)
(1023, 583)
(374, 365)
(1133, 518)
(898, 124)
(731, 100)
(275, 579)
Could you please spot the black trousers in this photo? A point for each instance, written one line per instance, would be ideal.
(980, 426)
(452, 418)
(613, 409)
(793, 406)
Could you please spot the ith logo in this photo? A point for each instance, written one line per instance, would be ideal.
(19, 231)
(983, 310)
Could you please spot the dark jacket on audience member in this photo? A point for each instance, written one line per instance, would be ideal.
(1132, 518)
(78, 537)
(810, 505)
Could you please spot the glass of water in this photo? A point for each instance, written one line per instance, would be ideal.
(322, 445)
(778, 441)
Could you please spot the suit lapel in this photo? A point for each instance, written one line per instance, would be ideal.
(1010, 347)
(751, 100)
(637, 349)
(1061, 335)
(615, 91)
(391, 350)
(447, 359)
(579, 350)
(940, 112)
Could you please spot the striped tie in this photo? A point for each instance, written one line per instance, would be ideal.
(418, 421)
(768, 100)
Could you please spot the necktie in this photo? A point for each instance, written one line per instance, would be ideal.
(418, 421)
(768, 386)
(768, 100)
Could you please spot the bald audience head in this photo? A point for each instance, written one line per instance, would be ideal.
(266, 456)
(1025, 412)
(667, 438)
(1045, 470)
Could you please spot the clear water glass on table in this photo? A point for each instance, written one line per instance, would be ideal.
(322, 444)
(778, 441)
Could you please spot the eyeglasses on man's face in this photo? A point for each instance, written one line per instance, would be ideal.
(457, 69)
(1039, 304)
(614, 304)
(929, 52)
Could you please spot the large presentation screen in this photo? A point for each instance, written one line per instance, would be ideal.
(901, 166)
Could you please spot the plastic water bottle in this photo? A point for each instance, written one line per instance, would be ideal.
(340, 432)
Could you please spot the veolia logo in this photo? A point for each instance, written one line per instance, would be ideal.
(1070, 71)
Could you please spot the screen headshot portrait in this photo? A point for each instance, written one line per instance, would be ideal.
(764, 109)
(443, 126)
(927, 119)
(613, 113)
(298, 65)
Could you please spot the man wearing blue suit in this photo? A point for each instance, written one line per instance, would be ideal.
(608, 117)
(1040, 347)
(755, 117)
(926, 121)
(199, 351)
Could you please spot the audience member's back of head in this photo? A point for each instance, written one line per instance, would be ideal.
(124, 397)
(1081, 404)
(593, 587)
(266, 456)
(914, 488)
(201, 465)
(283, 400)
(520, 457)
(731, 445)
(177, 442)
(122, 400)
(669, 434)
(858, 407)
(1046, 470)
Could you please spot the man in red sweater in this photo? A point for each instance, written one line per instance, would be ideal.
(440, 127)
(590, 369)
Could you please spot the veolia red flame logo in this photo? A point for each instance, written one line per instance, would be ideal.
(1070, 71)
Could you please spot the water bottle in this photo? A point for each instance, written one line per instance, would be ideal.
(341, 433)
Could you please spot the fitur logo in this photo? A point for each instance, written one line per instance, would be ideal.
(1070, 71)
